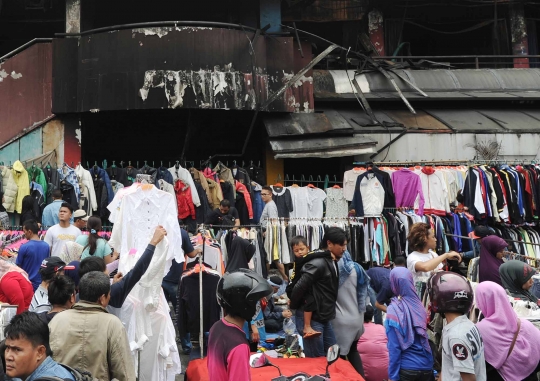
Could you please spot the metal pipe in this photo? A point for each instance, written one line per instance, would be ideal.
(22, 47)
(154, 24)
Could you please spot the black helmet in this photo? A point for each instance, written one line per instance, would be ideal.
(238, 292)
(450, 292)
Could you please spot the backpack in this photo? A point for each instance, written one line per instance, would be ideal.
(79, 375)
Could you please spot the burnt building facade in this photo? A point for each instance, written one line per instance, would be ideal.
(302, 87)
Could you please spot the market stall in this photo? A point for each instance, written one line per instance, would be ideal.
(341, 370)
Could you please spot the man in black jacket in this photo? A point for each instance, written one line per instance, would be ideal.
(320, 277)
(121, 289)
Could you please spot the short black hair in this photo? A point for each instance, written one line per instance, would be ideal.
(31, 225)
(400, 260)
(89, 264)
(46, 274)
(267, 188)
(29, 326)
(225, 203)
(93, 285)
(67, 205)
(57, 193)
(60, 290)
(335, 235)
(295, 241)
(368, 315)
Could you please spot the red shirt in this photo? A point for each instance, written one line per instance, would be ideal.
(228, 353)
(15, 289)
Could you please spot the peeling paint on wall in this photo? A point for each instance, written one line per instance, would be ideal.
(218, 89)
(4, 74)
(163, 31)
(159, 31)
(94, 110)
(78, 135)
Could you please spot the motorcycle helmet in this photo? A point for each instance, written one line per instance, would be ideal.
(450, 292)
(239, 291)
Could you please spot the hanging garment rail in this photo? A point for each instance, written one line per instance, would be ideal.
(507, 240)
(445, 162)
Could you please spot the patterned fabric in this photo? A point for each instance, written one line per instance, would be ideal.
(406, 314)
(336, 204)
(71, 252)
(67, 173)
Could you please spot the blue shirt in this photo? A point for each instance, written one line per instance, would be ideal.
(31, 254)
(380, 283)
(176, 268)
(50, 214)
(413, 358)
(50, 368)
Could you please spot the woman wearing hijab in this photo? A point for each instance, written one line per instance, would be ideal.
(516, 277)
(406, 321)
(491, 255)
(512, 345)
(350, 308)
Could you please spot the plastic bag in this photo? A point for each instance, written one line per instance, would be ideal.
(289, 326)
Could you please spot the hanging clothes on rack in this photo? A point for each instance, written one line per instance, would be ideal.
(336, 204)
(67, 174)
(243, 203)
(225, 174)
(99, 173)
(53, 182)
(36, 174)
(117, 174)
(9, 187)
(179, 173)
(316, 199)
(188, 308)
(408, 189)
(349, 182)
(85, 178)
(282, 198)
(20, 176)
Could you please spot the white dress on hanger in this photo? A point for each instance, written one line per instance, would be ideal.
(145, 313)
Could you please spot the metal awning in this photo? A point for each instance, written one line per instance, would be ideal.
(482, 84)
(321, 134)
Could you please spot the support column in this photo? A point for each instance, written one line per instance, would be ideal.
(376, 31)
(518, 33)
(73, 16)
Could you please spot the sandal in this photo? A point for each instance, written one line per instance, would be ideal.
(312, 335)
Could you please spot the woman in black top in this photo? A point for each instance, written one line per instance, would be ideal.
(27, 212)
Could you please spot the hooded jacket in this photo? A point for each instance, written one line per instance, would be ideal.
(20, 176)
(10, 189)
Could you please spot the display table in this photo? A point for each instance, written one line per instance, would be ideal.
(341, 370)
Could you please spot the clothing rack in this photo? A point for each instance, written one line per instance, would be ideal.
(507, 240)
(444, 162)
(310, 180)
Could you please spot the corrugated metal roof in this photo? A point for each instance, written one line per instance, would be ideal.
(446, 120)
(321, 144)
(440, 83)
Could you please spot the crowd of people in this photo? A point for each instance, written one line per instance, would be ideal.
(379, 317)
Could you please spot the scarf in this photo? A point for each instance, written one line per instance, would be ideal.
(489, 264)
(7, 267)
(498, 328)
(406, 314)
(346, 266)
(514, 274)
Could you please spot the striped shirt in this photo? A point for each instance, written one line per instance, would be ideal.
(40, 301)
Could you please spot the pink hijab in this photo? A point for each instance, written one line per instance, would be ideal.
(498, 329)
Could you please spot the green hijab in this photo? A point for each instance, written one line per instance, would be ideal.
(514, 274)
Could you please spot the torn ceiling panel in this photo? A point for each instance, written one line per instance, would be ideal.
(283, 125)
(321, 144)
(326, 154)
